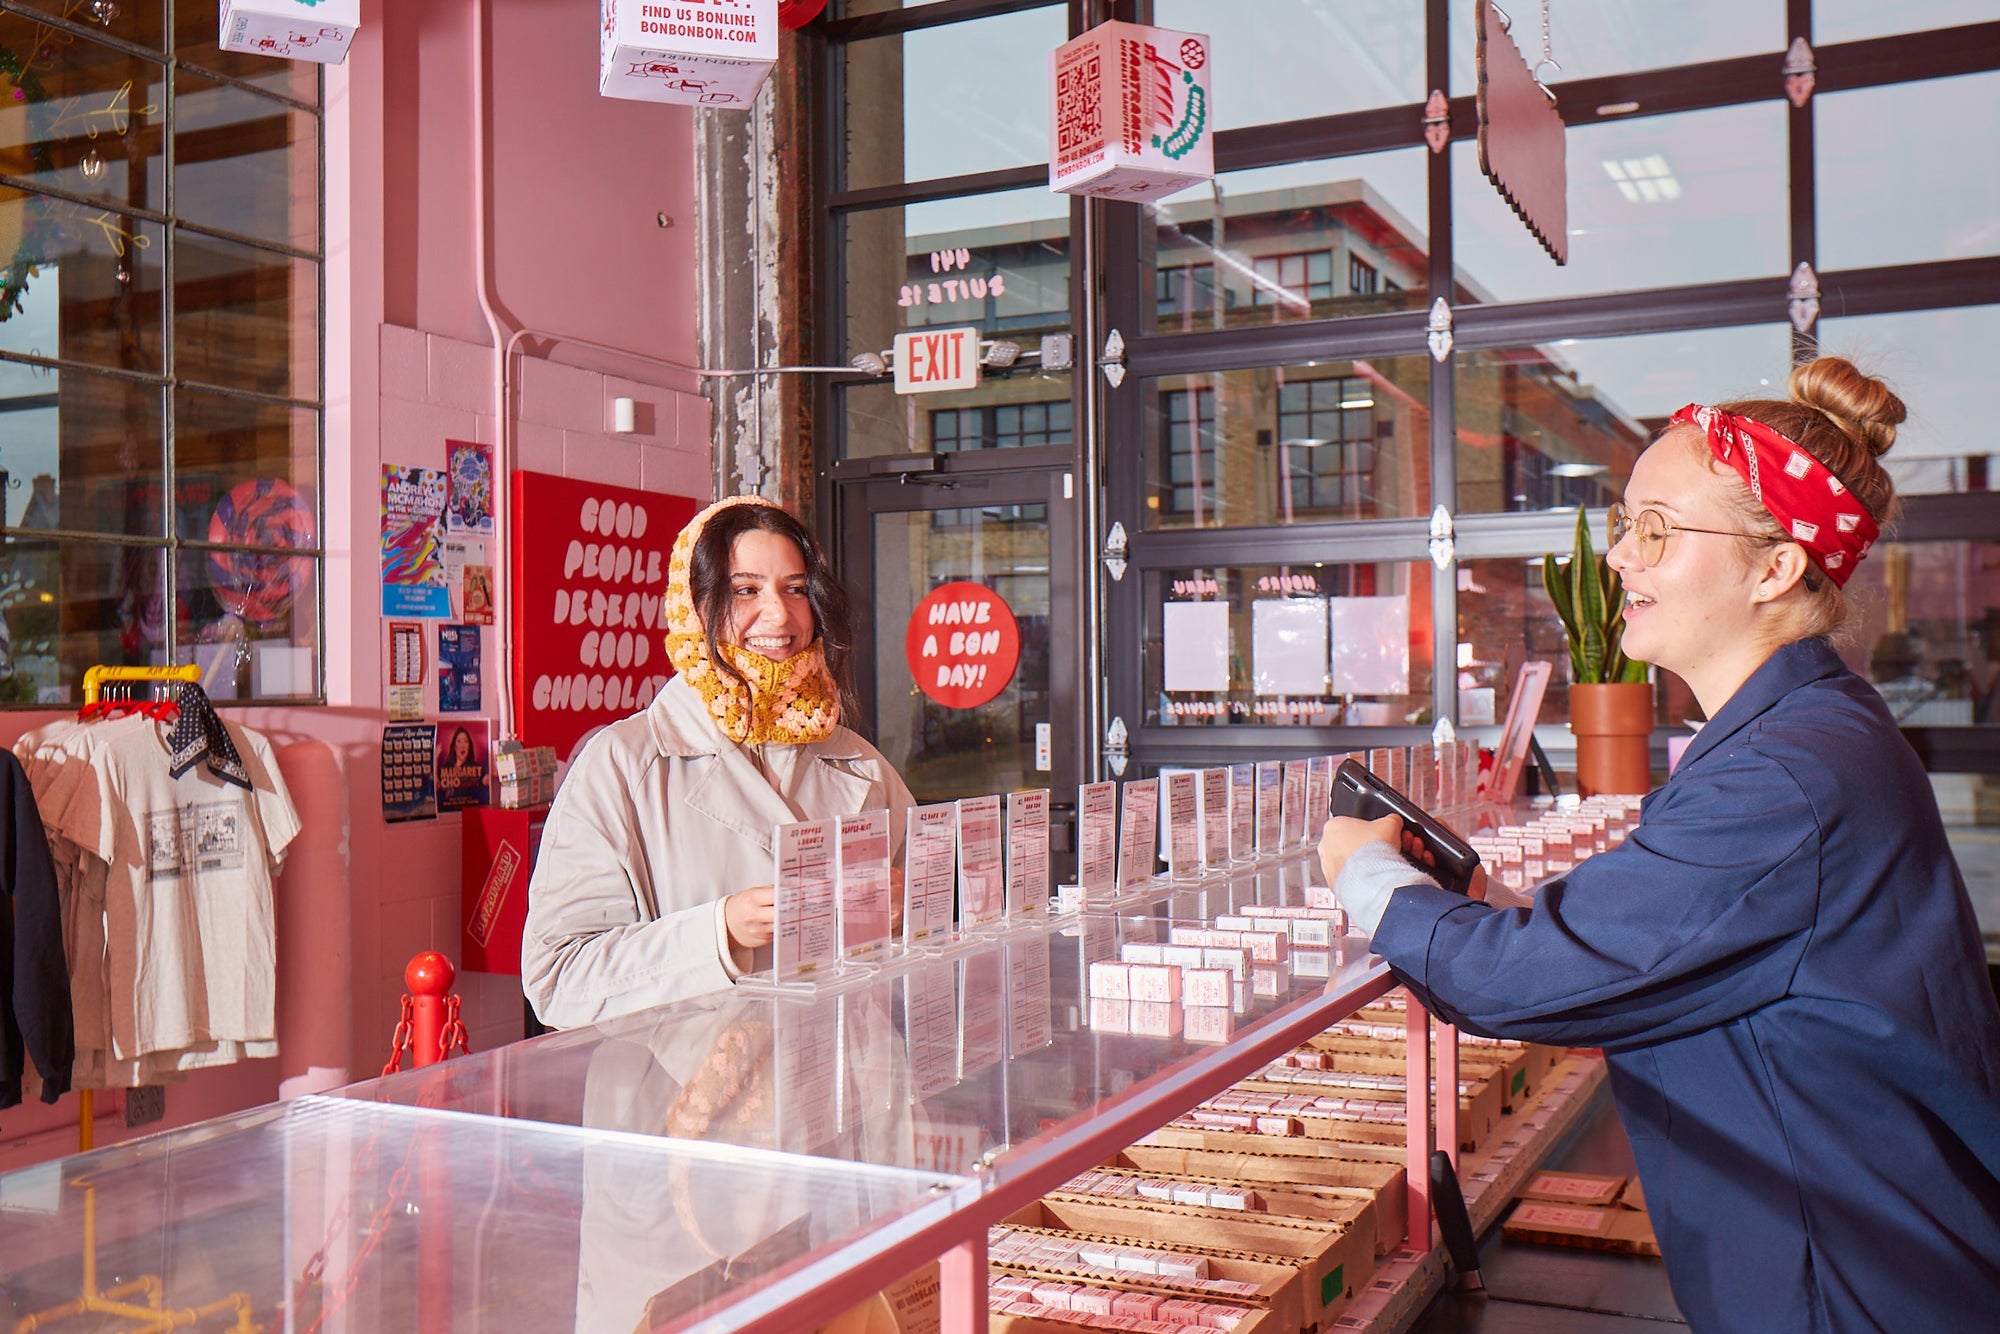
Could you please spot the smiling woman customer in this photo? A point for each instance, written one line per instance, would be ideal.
(1781, 962)
(653, 878)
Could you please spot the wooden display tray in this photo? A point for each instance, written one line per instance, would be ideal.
(1276, 1165)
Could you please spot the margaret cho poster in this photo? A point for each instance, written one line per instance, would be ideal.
(413, 582)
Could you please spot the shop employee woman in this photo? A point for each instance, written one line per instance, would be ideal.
(1781, 962)
(653, 880)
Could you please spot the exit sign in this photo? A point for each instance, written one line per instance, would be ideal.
(931, 361)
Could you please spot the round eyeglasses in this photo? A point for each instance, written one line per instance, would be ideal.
(1650, 530)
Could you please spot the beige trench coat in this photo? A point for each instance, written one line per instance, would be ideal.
(660, 818)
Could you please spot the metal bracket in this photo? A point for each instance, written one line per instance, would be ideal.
(1440, 329)
(1442, 549)
(1117, 747)
(1437, 120)
(1058, 352)
(1804, 294)
(1116, 548)
(1801, 71)
(1113, 360)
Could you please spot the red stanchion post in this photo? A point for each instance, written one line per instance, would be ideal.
(429, 978)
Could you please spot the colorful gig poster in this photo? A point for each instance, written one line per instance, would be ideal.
(470, 467)
(413, 582)
(463, 765)
(458, 669)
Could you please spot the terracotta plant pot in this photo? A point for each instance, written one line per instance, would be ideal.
(1613, 725)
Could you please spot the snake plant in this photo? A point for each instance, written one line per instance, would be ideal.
(1590, 599)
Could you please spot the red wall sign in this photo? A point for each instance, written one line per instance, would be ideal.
(963, 645)
(590, 578)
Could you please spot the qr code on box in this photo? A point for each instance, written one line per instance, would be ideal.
(1079, 109)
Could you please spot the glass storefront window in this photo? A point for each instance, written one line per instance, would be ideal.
(115, 485)
(1593, 40)
(1940, 363)
(944, 754)
(1288, 444)
(1852, 20)
(1659, 201)
(1505, 618)
(1315, 645)
(1928, 633)
(1558, 426)
(1302, 58)
(1307, 241)
(1894, 187)
(950, 100)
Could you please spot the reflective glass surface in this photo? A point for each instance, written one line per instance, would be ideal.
(1928, 631)
(1288, 444)
(946, 753)
(1505, 618)
(1660, 201)
(1939, 362)
(1851, 20)
(84, 284)
(1560, 425)
(140, 24)
(1307, 241)
(245, 318)
(330, 1209)
(1300, 58)
(244, 163)
(196, 43)
(1592, 40)
(945, 101)
(87, 119)
(1893, 177)
(1308, 644)
(79, 451)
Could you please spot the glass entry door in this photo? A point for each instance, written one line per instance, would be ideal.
(1010, 533)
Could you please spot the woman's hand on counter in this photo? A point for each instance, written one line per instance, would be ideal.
(748, 914)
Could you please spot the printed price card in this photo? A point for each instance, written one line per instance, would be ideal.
(1214, 819)
(1184, 824)
(1097, 839)
(864, 884)
(1242, 812)
(1319, 794)
(1270, 807)
(1295, 803)
(1138, 833)
(930, 873)
(803, 928)
(982, 880)
(1028, 854)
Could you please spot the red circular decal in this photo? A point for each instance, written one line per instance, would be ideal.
(1193, 54)
(797, 13)
(963, 645)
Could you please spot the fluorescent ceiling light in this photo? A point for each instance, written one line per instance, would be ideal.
(1306, 442)
(1644, 180)
(1357, 402)
(1577, 469)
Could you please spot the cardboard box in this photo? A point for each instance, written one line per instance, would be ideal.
(1276, 1278)
(1333, 1262)
(709, 53)
(315, 30)
(1130, 115)
(1634, 1197)
(1479, 1108)
(1625, 1231)
(1256, 1322)
(1573, 1188)
(1347, 1207)
(1382, 1182)
(906, 1307)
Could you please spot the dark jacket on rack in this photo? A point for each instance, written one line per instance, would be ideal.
(1784, 970)
(34, 972)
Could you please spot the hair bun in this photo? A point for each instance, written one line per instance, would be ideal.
(1864, 408)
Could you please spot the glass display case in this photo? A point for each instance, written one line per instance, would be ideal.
(740, 1161)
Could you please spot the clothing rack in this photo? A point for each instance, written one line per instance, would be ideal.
(94, 681)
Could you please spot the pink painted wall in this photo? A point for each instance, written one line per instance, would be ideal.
(579, 181)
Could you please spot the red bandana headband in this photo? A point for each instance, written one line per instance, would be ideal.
(1802, 494)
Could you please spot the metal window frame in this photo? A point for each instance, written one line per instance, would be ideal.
(167, 380)
(1109, 244)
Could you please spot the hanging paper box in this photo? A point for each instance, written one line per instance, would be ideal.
(1131, 117)
(317, 30)
(710, 53)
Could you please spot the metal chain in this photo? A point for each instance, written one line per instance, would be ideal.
(1548, 50)
(405, 1029)
(453, 1037)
